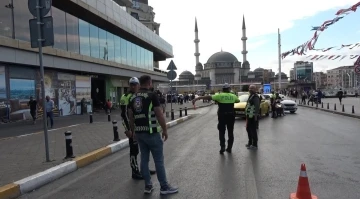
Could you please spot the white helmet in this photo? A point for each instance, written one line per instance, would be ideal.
(134, 80)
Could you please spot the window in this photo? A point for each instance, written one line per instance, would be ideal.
(59, 25)
(84, 37)
(5, 19)
(138, 57)
(128, 53)
(143, 51)
(134, 57)
(123, 51)
(117, 44)
(72, 34)
(22, 17)
(94, 41)
(3, 94)
(103, 44)
(135, 15)
(111, 47)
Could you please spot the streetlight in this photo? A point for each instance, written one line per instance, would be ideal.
(11, 6)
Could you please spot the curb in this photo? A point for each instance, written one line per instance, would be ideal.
(30, 183)
(334, 112)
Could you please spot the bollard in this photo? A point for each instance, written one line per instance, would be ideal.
(180, 112)
(328, 107)
(109, 117)
(68, 143)
(172, 114)
(334, 107)
(115, 129)
(312, 103)
(343, 108)
(322, 104)
(91, 118)
(353, 109)
(317, 105)
(167, 114)
(185, 111)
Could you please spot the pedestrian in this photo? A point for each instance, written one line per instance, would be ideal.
(226, 115)
(109, 105)
(340, 95)
(145, 116)
(272, 102)
(133, 144)
(251, 113)
(33, 107)
(49, 107)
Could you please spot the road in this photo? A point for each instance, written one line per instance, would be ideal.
(326, 143)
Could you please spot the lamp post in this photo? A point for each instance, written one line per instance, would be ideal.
(11, 6)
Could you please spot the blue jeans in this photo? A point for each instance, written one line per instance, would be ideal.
(152, 143)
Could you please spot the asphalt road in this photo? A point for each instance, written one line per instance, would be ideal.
(328, 144)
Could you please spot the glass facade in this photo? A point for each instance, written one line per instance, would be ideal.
(76, 35)
(304, 73)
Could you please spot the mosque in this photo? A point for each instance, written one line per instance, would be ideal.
(222, 67)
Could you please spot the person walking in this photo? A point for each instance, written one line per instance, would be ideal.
(146, 121)
(49, 107)
(340, 95)
(33, 107)
(226, 115)
(133, 144)
(251, 113)
(272, 102)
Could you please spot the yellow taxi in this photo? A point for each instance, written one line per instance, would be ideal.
(240, 107)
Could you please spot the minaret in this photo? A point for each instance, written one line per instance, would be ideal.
(244, 38)
(196, 41)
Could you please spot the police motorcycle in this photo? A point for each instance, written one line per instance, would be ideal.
(279, 110)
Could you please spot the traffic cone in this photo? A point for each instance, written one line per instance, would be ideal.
(303, 189)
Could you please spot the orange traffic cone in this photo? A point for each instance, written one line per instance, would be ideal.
(303, 189)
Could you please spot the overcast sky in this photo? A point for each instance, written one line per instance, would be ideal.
(219, 24)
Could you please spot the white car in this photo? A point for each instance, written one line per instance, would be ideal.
(289, 105)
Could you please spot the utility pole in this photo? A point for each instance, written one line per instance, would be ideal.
(279, 46)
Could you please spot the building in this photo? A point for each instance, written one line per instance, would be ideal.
(292, 74)
(303, 71)
(320, 80)
(221, 67)
(342, 77)
(98, 46)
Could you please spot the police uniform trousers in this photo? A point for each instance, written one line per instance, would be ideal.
(226, 120)
(251, 128)
(134, 151)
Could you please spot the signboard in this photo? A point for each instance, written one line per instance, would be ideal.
(267, 88)
(171, 66)
(171, 75)
(357, 69)
(45, 4)
(47, 32)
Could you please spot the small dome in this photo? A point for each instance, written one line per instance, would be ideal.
(222, 56)
(246, 64)
(186, 73)
(258, 70)
(199, 67)
(282, 74)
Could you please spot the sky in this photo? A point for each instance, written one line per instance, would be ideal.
(220, 23)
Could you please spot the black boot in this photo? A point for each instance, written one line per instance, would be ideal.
(152, 172)
(222, 150)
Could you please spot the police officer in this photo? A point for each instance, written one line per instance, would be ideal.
(251, 113)
(134, 148)
(147, 121)
(226, 115)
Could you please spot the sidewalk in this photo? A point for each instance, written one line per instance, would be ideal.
(23, 156)
(26, 127)
(348, 105)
